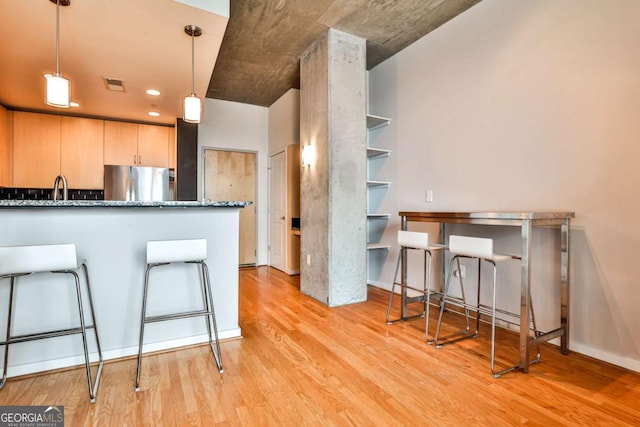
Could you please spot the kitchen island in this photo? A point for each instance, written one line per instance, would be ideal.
(112, 236)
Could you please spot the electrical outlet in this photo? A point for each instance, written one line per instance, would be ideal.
(428, 196)
(308, 259)
(460, 273)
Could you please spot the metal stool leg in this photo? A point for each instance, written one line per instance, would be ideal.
(462, 302)
(211, 316)
(428, 292)
(8, 336)
(424, 298)
(493, 331)
(93, 391)
(142, 319)
(393, 288)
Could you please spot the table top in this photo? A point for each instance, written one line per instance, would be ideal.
(489, 218)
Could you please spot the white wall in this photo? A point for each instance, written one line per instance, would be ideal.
(234, 126)
(284, 122)
(530, 105)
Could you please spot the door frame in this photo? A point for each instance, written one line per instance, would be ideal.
(255, 185)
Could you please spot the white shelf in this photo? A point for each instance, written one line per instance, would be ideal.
(377, 246)
(378, 184)
(374, 122)
(373, 153)
(379, 216)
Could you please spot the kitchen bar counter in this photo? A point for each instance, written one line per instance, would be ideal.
(112, 237)
(119, 204)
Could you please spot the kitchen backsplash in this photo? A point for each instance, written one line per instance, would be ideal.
(45, 194)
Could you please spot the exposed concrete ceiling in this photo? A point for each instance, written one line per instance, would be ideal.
(259, 57)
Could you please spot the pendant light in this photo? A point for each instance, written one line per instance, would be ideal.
(58, 88)
(192, 105)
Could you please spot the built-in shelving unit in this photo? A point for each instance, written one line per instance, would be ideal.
(376, 222)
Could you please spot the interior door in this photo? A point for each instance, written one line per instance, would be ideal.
(231, 175)
(277, 211)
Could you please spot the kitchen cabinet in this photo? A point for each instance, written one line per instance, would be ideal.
(5, 148)
(120, 143)
(376, 221)
(36, 149)
(153, 146)
(136, 144)
(81, 152)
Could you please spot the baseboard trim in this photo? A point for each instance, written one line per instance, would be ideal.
(67, 362)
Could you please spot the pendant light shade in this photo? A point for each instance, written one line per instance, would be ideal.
(192, 105)
(58, 89)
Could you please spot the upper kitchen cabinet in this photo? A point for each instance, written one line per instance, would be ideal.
(120, 143)
(153, 146)
(36, 149)
(81, 152)
(136, 144)
(5, 148)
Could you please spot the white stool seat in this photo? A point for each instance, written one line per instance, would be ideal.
(417, 240)
(163, 251)
(36, 259)
(476, 247)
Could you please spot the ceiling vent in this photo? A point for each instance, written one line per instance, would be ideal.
(116, 85)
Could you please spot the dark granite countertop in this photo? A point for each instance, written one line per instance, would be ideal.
(119, 204)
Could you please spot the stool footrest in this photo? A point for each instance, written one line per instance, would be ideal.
(43, 335)
(183, 315)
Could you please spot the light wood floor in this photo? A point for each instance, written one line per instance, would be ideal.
(301, 363)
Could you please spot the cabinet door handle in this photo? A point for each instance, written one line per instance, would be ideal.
(139, 159)
(134, 159)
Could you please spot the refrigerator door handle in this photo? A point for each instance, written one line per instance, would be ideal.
(131, 190)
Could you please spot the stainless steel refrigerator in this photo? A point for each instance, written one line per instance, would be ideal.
(136, 183)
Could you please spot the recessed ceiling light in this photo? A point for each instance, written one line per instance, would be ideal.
(74, 104)
(153, 92)
(153, 114)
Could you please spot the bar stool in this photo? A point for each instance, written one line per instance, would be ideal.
(165, 252)
(414, 240)
(482, 250)
(19, 261)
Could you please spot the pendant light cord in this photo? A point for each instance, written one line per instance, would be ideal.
(57, 37)
(193, 62)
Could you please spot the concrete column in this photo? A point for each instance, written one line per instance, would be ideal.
(333, 188)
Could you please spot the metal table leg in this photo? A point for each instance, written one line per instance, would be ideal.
(564, 286)
(525, 308)
(403, 274)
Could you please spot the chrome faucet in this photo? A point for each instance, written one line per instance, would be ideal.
(65, 192)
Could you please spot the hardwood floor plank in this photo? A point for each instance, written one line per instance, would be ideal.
(301, 363)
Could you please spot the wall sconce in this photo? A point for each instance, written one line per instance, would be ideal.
(308, 155)
(57, 92)
(192, 105)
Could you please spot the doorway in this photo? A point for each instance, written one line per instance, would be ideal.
(231, 175)
(277, 211)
